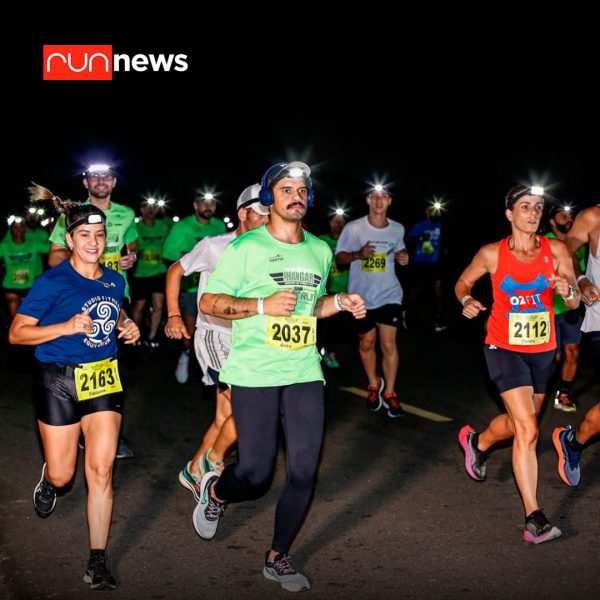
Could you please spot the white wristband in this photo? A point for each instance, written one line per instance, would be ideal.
(127, 320)
(581, 277)
(465, 298)
(571, 295)
(260, 306)
(338, 304)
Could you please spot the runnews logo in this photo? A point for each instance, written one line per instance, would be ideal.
(98, 63)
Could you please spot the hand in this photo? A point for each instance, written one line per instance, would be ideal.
(401, 257)
(589, 292)
(354, 304)
(176, 329)
(472, 308)
(129, 330)
(367, 250)
(560, 285)
(127, 261)
(80, 323)
(280, 304)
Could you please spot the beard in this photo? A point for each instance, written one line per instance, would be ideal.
(564, 228)
(206, 214)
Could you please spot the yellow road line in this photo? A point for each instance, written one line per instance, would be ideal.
(409, 408)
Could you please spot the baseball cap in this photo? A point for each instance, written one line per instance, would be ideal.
(249, 199)
(293, 169)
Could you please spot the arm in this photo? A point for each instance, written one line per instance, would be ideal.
(57, 255)
(326, 306)
(26, 331)
(175, 327)
(483, 262)
(128, 260)
(564, 282)
(127, 328)
(345, 258)
(280, 304)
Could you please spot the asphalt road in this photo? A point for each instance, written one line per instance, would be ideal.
(394, 513)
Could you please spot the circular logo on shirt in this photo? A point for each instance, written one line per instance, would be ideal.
(104, 312)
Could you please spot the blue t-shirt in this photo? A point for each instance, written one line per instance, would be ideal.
(61, 293)
(427, 251)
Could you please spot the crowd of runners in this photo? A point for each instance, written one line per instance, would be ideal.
(263, 306)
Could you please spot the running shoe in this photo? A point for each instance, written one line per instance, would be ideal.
(283, 571)
(123, 450)
(390, 401)
(538, 529)
(206, 465)
(98, 575)
(563, 402)
(44, 496)
(182, 371)
(188, 480)
(568, 458)
(474, 458)
(375, 398)
(208, 511)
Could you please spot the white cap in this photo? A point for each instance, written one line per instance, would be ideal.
(249, 199)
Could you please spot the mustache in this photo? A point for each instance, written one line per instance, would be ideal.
(291, 204)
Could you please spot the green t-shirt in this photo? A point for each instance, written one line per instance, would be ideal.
(120, 230)
(40, 236)
(559, 304)
(183, 237)
(272, 351)
(150, 244)
(21, 262)
(338, 280)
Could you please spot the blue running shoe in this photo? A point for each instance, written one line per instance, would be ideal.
(189, 481)
(568, 458)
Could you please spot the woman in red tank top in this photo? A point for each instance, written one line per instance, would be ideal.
(526, 271)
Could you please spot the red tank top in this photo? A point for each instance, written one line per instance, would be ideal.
(522, 317)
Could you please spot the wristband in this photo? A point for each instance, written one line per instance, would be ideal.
(173, 316)
(581, 277)
(127, 320)
(260, 306)
(338, 304)
(465, 298)
(571, 295)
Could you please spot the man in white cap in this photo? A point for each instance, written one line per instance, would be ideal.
(271, 283)
(212, 339)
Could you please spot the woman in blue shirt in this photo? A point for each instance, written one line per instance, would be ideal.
(73, 316)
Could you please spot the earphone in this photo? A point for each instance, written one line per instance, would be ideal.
(266, 197)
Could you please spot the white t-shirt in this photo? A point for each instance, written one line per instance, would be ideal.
(203, 258)
(374, 278)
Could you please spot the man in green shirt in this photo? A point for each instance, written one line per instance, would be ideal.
(271, 283)
(183, 236)
(567, 321)
(100, 181)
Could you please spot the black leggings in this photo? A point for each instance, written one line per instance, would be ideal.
(257, 412)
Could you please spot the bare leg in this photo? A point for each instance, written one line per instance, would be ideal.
(226, 438)
(101, 432)
(569, 368)
(387, 342)
(368, 356)
(60, 452)
(590, 426)
(158, 299)
(137, 311)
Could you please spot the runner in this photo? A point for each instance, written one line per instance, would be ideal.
(271, 283)
(72, 315)
(526, 271)
(212, 339)
(569, 442)
(183, 236)
(371, 246)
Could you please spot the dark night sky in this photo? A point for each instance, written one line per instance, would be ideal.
(461, 124)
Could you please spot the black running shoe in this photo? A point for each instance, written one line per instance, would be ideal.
(98, 575)
(283, 571)
(538, 529)
(44, 496)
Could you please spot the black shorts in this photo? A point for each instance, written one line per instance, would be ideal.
(20, 293)
(142, 288)
(424, 273)
(510, 370)
(568, 328)
(56, 398)
(388, 314)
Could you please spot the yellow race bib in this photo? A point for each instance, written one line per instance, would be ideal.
(111, 261)
(291, 333)
(98, 378)
(374, 263)
(528, 329)
(150, 256)
(20, 276)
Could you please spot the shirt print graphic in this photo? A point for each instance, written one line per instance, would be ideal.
(525, 297)
(304, 283)
(104, 312)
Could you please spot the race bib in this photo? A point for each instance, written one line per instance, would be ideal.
(528, 329)
(98, 378)
(111, 261)
(20, 276)
(374, 263)
(291, 333)
(150, 256)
